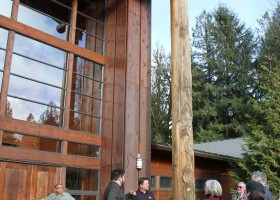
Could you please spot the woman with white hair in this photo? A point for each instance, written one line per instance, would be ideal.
(213, 190)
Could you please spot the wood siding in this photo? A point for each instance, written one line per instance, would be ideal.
(126, 106)
(205, 168)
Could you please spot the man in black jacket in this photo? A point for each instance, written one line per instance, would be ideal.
(113, 191)
(143, 192)
(261, 178)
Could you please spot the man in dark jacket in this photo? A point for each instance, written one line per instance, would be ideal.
(143, 192)
(261, 178)
(113, 191)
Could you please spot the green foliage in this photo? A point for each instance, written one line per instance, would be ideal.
(161, 97)
(223, 72)
(263, 141)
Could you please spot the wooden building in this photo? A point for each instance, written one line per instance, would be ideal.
(75, 95)
(213, 160)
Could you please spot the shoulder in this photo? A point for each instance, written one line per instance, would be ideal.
(66, 194)
(50, 196)
(268, 194)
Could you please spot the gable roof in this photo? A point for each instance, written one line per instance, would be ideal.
(229, 149)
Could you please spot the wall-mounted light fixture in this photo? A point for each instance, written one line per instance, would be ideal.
(139, 162)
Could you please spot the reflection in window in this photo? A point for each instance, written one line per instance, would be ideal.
(52, 17)
(83, 150)
(38, 51)
(82, 182)
(3, 47)
(166, 182)
(37, 82)
(86, 96)
(3, 38)
(90, 25)
(31, 142)
(6, 8)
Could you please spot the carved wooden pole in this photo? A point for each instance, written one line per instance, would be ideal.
(181, 86)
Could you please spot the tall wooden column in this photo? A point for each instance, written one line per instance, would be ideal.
(182, 135)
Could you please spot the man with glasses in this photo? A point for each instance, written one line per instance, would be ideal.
(241, 192)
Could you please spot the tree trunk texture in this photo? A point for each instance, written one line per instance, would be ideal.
(181, 88)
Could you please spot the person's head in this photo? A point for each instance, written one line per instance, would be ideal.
(143, 184)
(118, 175)
(58, 188)
(259, 177)
(213, 188)
(241, 187)
(255, 190)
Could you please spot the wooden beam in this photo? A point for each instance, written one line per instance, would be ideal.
(13, 154)
(49, 39)
(182, 135)
(40, 130)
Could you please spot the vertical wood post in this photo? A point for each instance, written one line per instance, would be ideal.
(181, 88)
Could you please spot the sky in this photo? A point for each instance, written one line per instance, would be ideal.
(248, 12)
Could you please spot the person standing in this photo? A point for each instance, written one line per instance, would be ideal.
(261, 178)
(59, 194)
(241, 192)
(114, 189)
(143, 192)
(213, 190)
(255, 191)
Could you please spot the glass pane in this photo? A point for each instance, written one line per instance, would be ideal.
(48, 16)
(31, 90)
(4, 37)
(38, 71)
(88, 69)
(31, 142)
(86, 105)
(39, 51)
(6, 8)
(34, 112)
(153, 181)
(1, 78)
(165, 182)
(84, 123)
(82, 179)
(90, 25)
(199, 184)
(83, 149)
(2, 59)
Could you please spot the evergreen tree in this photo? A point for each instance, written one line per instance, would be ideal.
(223, 51)
(263, 141)
(161, 97)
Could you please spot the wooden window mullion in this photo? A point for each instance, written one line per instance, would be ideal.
(8, 62)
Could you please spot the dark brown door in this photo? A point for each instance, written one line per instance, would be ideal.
(26, 182)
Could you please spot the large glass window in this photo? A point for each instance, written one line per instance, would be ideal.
(37, 82)
(82, 183)
(51, 16)
(86, 96)
(54, 17)
(90, 25)
(6, 8)
(31, 142)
